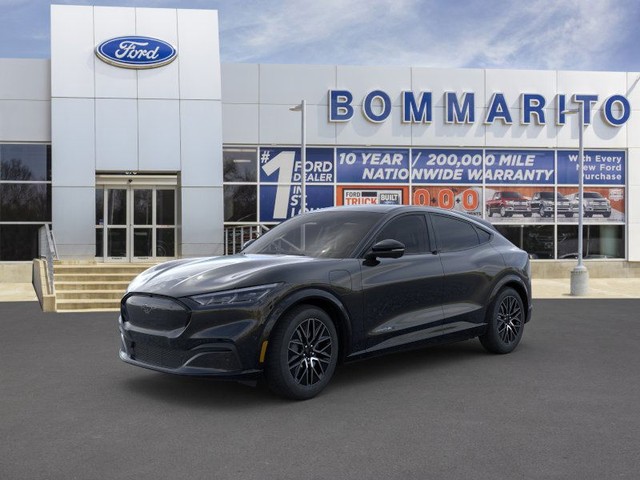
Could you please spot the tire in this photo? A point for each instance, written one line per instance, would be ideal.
(542, 212)
(606, 215)
(489, 212)
(312, 365)
(503, 212)
(527, 214)
(504, 329)
(568, 215)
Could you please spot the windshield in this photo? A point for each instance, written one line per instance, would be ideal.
(330, 234)
(592, 195)
(511, 195)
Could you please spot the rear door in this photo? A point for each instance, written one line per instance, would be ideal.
(470, 265)
(402, 295)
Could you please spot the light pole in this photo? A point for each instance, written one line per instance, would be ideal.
(302, 107)
(580, 274)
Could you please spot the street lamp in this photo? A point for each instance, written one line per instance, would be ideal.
(580, 274)
(302, 107)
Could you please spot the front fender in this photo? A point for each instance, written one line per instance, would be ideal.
(313, 296)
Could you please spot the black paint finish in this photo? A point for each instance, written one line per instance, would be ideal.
(429, 294)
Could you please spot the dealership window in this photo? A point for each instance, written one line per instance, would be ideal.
(25, 198)
(529, 195)
(599, 241)
(240, 184)
(537, 240)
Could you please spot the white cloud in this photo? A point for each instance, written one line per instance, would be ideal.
(548, 34)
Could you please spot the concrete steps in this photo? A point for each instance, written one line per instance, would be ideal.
(92, 287)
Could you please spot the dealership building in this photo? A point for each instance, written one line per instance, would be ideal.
(133, 143)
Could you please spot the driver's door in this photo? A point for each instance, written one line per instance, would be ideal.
(402, 296)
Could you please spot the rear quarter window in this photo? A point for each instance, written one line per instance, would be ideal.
(454, 234)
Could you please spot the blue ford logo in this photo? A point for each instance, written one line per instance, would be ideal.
(136, 52)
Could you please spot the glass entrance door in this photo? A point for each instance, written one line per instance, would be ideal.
(142, 225)
(135, 223)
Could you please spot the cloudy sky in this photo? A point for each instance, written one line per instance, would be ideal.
(532, 34)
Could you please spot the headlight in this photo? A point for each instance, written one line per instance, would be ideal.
(240, 296)
(510, 202)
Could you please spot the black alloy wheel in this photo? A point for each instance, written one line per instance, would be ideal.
(505, 323)
(302, 353)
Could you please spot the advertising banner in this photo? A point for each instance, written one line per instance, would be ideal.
(283, 165)
(467, 199)
(525, 204)
(279, 202)
(532, 167)
(368, 165)
(601, 167)
(371, 195)
(600, 204)
(446, 166)
(283, 168)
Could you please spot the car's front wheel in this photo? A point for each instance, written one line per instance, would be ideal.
(302, 353)
(505, 322)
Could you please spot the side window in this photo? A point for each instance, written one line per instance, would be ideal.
(454, 234)
(411, 230)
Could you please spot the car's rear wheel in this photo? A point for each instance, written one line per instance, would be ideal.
(302, 353)
(505, 322)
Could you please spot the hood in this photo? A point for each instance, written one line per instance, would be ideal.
(185, 277)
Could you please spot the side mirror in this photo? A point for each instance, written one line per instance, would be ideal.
(388, 248)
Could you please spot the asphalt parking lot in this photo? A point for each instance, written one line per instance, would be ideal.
(565, 405)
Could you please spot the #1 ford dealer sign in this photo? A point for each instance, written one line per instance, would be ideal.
(136, 52)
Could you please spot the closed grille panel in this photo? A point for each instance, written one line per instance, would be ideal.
(155, 313)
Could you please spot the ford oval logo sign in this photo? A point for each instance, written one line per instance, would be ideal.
(136, 52)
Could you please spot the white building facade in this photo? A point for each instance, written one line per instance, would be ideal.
(155, 163)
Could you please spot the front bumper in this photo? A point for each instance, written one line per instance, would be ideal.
(221, 343)
(597, 209)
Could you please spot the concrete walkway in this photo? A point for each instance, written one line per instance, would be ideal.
(17, 292)
(598, 288)
(542, 288)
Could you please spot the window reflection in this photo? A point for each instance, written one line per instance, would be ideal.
(26, 163)
(18, 242)
(599, 241)
(240, 204)
(239, 164)
(165, 207)
(536, 240)
(25, 202)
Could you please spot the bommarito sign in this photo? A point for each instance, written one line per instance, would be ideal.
(459, 108)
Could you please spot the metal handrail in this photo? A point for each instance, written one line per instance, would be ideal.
(237, 235)
(48, 250)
